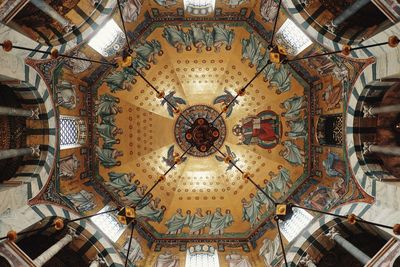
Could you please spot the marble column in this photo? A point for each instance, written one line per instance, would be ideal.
(347, 13)
(372, 111)
(369, 147)
(46, 8)
(307, 261)
(54, 249)
(349, 247)
(12, 153)
(19, 112)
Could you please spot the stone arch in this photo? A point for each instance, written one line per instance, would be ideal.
(320, 34)
(28, 216)
(88, 22)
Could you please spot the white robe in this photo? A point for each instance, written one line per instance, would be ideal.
(236, 260)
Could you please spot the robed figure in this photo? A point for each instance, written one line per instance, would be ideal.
(176, 223)
(263, 130)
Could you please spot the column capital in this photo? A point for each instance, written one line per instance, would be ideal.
(331, 26)
(35, 150)
(332, 233)
(307, 260)
(306, 3)
(367, 111)
(367, 148)
(72, 232)
(35, 113)
(69, 27)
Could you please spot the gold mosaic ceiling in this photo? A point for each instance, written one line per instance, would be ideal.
(275, 154)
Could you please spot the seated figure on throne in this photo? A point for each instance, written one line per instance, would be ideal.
(263, 130)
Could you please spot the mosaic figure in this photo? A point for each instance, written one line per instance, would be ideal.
(135, 196)
(68, 167)
(149, 50)
(251, 50)
(173, 100)
(121, 80)
(166, 3)
(268, 10)
(177, 38)
(297, 129)
(222, 36)
(135, 251)
(167, 259)
(121, 182)
(176, 223)
(262, 130)
(232, 156)
(198, 222)
(108, 133)
(82, 201)
(332, 96)
(66, 96)
(334, 166)
(271, 251)
(292, 153)
(78, 66)
(280, 79)
(293, 107)
(277, 75)
(322, 198)
(235, 3)
(237, 260)
(151, 211)
(200, 37)
(171, 156)
(225, 99)
(107, 105)
(220, 221)
(262, 198)
(131, 10)
(280, 182)
(251, 210)
(108, 157)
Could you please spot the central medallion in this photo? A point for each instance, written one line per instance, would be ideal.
(202, 135)
(205, 134)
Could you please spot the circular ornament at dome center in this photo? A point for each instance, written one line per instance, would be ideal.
(204, 134)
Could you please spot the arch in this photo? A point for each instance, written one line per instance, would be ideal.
(105, 8)
(320, 35)
(317, 228)
(28, 216)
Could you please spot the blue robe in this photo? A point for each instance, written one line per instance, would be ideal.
(175, 223)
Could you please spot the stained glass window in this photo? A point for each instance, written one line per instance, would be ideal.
(69, 131)
(293, 226)
(108, 40)
(109, 224)
(292, 38)
(199, 7)
(202, 256)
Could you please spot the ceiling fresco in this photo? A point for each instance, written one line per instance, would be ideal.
(272, 132)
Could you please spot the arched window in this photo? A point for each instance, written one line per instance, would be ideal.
(295, 224)
(72, 133)
(199, 7)
(202, 256)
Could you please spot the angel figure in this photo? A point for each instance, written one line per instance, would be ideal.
(226, 99)
(172, 100)
(232, 157)
(172, 157)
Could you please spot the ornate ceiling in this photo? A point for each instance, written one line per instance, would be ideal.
(272, 132)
